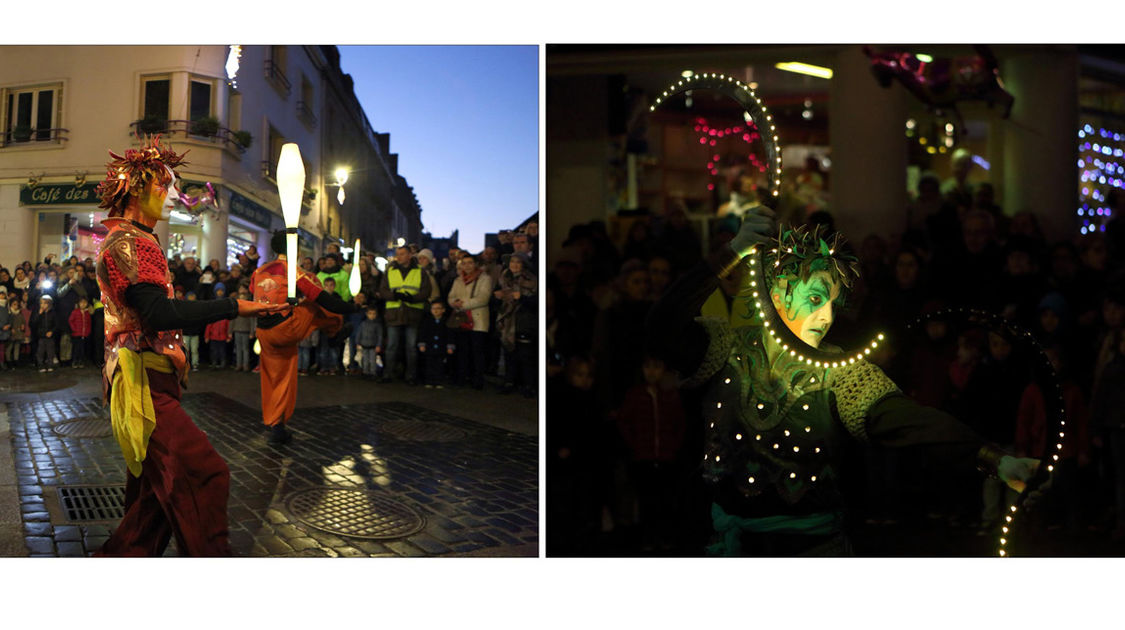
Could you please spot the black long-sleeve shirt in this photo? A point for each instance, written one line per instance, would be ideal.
(327, 300)
(160, 312)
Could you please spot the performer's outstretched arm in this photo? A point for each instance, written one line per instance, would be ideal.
(160, 312)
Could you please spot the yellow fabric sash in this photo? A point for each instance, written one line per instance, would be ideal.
(131, 408)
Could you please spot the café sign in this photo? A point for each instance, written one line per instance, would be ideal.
(56, 194)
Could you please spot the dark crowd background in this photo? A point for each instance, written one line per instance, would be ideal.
(52, 317)
(623, 442)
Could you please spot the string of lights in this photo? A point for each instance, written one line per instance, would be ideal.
(1098, 173)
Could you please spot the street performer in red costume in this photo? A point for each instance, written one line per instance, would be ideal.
(280, 334)
(177, 485)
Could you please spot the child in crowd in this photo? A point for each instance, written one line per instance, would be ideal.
(242, 330)
(354, 352)
(218, 333)
(44, 323)
(19, 333)
(305, 352)
(434, 344)
(369, 337)
(28, 334)
(80, 327)
(5, 327)
(192, 333)
(328, 356)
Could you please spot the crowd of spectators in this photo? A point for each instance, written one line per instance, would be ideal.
(623, 441)
(422, 321)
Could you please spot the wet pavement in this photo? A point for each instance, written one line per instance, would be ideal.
(379, 473)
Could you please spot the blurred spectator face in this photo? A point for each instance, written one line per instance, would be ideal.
(1064, 264)
(521, 244)
(360, 299)
(307, 264)
(906, 270)
(242, 260)
(999, 347)
(1020, 263)
(579, 374)
(321, 263)
(659, 274)
(235, 272)
(437, 309)
(1113, 314)
(1049, 320)
(20, 275)
(467, 265)
(637, 285)
(975, 233)
(402, 256)
(568, 273)
(214, 264)
(929, 188)
(252, 251)
(1095, 255)
(677, 219)
(532, 229)
(967, 350)
(638, 232)
(489, 255)
(653, 370)
(329, 285)
(332, 248)
(372, 314)
(515, 265)
(504, 236)
(179, 293)
(52, 275)
(423, 260)
(936, 329)
(243, 293)
(189, 264)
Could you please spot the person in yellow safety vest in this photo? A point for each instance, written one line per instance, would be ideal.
(406, 288)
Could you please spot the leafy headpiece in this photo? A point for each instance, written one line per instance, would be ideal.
(129, 174)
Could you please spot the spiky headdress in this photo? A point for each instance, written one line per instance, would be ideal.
(797, 253)
(129, 174)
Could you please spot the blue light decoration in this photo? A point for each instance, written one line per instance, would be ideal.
(1096, 175)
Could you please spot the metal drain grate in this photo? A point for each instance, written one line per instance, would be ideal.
(354, 513)
(84, 427)
(416, 431)
(87, 504)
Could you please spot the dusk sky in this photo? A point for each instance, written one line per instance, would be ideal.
(464, 121)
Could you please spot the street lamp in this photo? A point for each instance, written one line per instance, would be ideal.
(355, 282)
(341, 179)
(291, 188)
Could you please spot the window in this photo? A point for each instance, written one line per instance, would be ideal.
(200, 100)
(234, 110)
(32, 114)
(305, 105)
(275, 69)
(157, 91)
(276, 142)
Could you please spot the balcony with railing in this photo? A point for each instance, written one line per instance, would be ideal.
(29, 136)
(195, 132)
(275, 74)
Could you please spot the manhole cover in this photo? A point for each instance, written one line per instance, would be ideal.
(415, 431)
(354, 513)
(84, 427)
(33, 385)
(85, 504)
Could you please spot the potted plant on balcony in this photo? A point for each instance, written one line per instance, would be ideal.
(205, 126)
(21, 133)
(152, 124)
(242, 138)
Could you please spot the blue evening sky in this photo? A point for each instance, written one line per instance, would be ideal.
(464, 121)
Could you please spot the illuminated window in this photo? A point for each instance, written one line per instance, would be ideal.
(31, 114)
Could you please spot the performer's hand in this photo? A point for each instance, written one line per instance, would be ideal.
(247, 308)
(757, 228)
(1015, 471)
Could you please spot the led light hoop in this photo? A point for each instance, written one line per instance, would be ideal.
(754, 111)
(1050, 387)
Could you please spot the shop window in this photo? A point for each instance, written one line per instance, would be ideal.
(32, 114)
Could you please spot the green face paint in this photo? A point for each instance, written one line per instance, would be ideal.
(807, 309)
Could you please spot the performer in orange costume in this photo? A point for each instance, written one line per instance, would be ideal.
(177, 484)
(280, 334)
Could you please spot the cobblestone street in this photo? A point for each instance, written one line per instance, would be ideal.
(384, 470)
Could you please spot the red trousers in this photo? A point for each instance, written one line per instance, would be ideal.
(278, 359)
(182, 490)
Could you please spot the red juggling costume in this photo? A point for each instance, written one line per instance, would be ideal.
(177, 484)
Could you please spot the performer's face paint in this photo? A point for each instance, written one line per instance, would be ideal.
(158, 198)
(808, 314)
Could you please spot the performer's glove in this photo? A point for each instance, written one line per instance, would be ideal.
(757, 228)
(1016, 471)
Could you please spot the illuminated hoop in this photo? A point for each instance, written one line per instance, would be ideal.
(1052, 391)
(755, 111)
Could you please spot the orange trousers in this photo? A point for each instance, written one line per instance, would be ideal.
(278, 360)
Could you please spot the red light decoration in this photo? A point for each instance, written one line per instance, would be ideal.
(710, 135)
